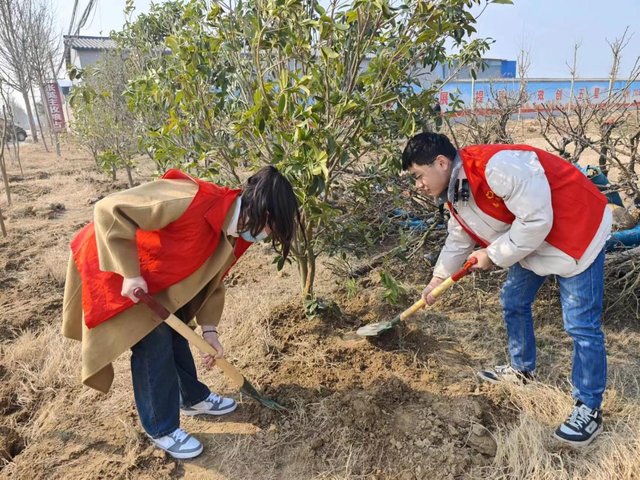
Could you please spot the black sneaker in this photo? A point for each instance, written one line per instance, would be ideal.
(506, 373)
(583, 425)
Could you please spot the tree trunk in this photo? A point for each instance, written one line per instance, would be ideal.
(53, 135)
(303, 270)
(129, 176)
(32, 124)
(14, 138)
(2, 227)
(44, 142)
(3, 166)
(311, 275)
(113, 169)
(16, 145)
(307, 280)
(5, 177)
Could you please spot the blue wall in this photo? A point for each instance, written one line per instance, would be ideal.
(508, 69)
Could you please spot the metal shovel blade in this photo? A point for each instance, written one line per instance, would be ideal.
(375, 329)
(250, 391)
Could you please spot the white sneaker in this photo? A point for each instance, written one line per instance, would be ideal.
(583, 425)
(506, 373)
(179, 444)
(213, 405)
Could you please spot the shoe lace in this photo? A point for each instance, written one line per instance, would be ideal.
(179, 435)
(580, 416)
(213, 398)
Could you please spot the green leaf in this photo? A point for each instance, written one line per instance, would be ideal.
(282, 104)
(278, 150)
(503, 2)
(213, 13)
(305, 90)
(309, 23)
(279, 261)
(284, 79)
(172, 43)
(384, 98)
(328, 52)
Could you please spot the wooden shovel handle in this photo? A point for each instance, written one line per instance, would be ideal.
(440, 289)
(191, 336)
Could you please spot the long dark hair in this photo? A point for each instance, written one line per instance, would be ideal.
(268, 199)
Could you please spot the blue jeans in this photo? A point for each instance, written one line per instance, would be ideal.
(581, 298)
(164, 376)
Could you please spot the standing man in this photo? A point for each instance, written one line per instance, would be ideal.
(536, 214)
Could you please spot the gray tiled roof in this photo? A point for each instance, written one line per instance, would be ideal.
(82, 42)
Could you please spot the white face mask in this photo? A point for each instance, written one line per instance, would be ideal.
(250, 238)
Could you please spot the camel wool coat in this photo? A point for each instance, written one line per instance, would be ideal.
(151, 206)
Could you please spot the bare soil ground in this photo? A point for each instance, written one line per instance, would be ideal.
(406, 406)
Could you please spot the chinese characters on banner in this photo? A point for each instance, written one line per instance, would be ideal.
(553, 93)
(55, 105)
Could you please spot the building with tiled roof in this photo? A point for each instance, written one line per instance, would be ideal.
(83, 51)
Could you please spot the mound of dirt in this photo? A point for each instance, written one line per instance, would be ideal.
(403, 401)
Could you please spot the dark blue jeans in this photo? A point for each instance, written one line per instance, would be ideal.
(164, 376)
(581, 298)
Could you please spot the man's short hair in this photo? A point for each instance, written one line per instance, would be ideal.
(425, 147)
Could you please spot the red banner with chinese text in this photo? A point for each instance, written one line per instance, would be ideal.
(54, 100)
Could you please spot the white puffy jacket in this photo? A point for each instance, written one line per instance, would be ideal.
(519, 179)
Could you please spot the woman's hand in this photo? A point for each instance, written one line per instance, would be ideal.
(211, 336)
(130, 284)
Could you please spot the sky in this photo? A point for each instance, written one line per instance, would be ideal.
(549, 28)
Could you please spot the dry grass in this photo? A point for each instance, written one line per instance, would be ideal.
(526, 449)
(54, 264)
(42, 364)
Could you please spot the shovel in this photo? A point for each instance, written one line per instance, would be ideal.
(374, 329)
(202, 345)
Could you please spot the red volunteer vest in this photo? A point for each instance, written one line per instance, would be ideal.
(578, 205)
(167, 256)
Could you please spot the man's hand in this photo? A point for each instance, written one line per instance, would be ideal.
(212, 339)
(426, 293)
(130, 284)
(484, 262)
